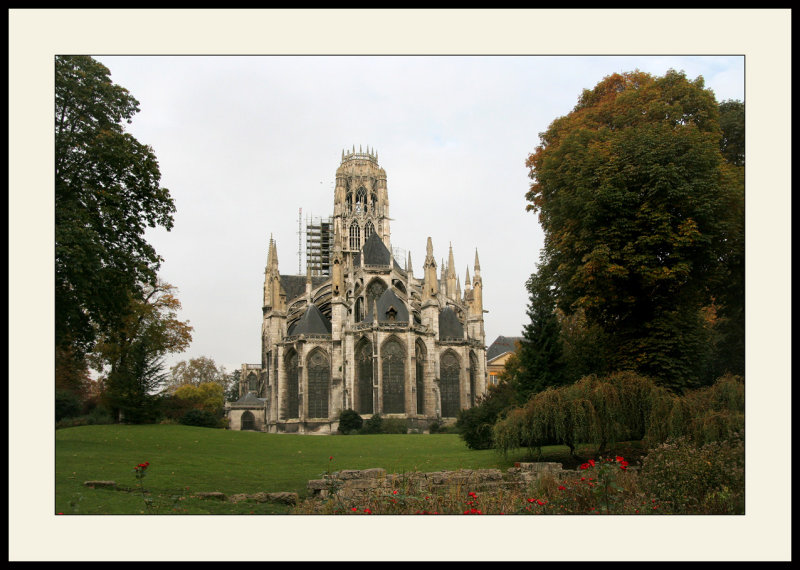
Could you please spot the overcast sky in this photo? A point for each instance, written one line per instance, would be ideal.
(245, 142)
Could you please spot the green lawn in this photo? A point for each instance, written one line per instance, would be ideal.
(204, 460)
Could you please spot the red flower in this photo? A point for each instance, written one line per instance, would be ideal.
(472, 494)
(369, 512)
(541, 502)
(330, 458)
(394, 492)
(585, 466)
(354, 509)
(620, 459)
(583, 478)
(591, 462)
(531, 500)
(561, 488)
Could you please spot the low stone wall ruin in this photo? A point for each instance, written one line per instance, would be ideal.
(352, 483)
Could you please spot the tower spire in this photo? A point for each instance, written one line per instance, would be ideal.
(450, 278)
(430, 283)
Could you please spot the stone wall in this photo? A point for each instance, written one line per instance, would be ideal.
(353, 483)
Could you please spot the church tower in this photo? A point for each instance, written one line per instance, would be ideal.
(366, 335)
(361, 202)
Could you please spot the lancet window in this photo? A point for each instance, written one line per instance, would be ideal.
(450, 376)
(393, 375)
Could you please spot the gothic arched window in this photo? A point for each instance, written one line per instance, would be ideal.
(369, 229)
(319, 374)
(419, 353)
(374, 199)
(252, 382)
(450, 376)
(361, 200)
(355, 236)
(363, 358)
(292, 387)
(348, 202)
(393, 368)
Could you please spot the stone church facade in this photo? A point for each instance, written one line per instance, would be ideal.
(370, 336)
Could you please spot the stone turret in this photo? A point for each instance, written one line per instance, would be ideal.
(430, 284)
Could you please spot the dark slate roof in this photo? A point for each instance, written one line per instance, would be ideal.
(385, 302)
(375, 252)
(295, 285)
(449, 325)
(501, 345)
(250, 399)
(312, 322)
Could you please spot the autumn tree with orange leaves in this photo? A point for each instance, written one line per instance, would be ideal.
(131, 355)
(642, 214)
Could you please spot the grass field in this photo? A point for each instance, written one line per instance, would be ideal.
(186, 460)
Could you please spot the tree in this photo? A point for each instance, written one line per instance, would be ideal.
(541, 352)
(207, 396)
(131, 356)
(232, 391)
(633, 199)
(107, 191)
(731, 122)
(730, 293)
(195, 372)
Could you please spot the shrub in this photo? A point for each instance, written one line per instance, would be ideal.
(696, 479)
(394, 425)
(475, 424)
(373, 424)
(714, 413)
(350, 421)
(68, 405)
(200, 418)
(100, 416)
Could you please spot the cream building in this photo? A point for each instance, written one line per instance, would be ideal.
(370, 336)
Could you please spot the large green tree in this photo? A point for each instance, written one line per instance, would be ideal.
(107, 192)
(634, 200)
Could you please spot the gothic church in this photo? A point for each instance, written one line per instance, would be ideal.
(370, 336)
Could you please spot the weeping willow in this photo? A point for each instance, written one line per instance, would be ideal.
(602, 411)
